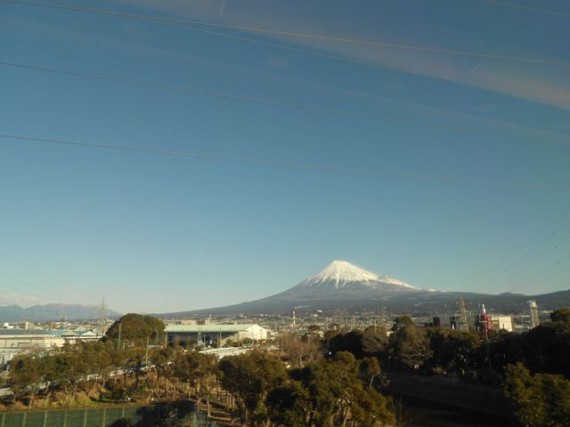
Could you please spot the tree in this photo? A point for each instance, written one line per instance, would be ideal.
(370, 371)
(505, 349)
(337, 395)
(351, 342)
(546, 348)
(198, 370)
(370, 408)
(25, 376)
(288, 405)
(249, 378)
(541, 400)
(136, 329)
(298, 351)
(374, 341)
(409, 346)
(70, 367)
(453, 351)
(136, 364)
(162, 362)
(561, 315)
(402, 322)
(370, 342)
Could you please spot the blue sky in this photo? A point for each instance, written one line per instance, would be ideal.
(177, 155)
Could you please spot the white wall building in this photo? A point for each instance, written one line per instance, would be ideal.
(17, 341)
(502, 322)
(210, 334)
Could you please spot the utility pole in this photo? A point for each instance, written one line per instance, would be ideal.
(102, 318)
(146, 353)
(294, 323)
(119, 343)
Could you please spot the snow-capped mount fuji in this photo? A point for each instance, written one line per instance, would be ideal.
(340, 285)
(344, 286)
(344, 275)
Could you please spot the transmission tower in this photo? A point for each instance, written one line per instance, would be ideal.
(463, 325)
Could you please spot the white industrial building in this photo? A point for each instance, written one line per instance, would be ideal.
(502, 323)
(17, 341)
(212, 334)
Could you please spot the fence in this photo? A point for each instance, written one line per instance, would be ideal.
(171, 415)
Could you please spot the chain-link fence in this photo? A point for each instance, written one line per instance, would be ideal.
(159, 415)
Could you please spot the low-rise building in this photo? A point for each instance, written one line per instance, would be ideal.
(212, 334)
(17, 341)
(502, 323)
(80, 335)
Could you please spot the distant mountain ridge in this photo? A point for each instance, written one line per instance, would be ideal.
(51, 312)
(344, 286)
(339, 285)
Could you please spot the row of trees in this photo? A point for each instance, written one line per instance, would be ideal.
(257, 385)
(301, 387)
(544, 349)
(102, 372)
(67, 369)
(341, 391)
(532, 367)
(539, 400)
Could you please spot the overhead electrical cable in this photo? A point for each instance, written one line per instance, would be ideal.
(524, 257)
(295, 35)
(241, 98)
(30, 288)
(563, 272)
(555, 246)
(535, 276)
(547, 272)
(272, 102)
(225, 158)
(528, 8)
(498, 268)
(279, 163)
(296, 49)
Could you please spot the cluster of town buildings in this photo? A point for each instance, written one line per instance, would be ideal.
(22, 337)
(236, 332)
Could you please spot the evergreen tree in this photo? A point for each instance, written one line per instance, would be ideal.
(541, 400)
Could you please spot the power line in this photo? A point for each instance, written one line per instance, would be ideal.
(225, 158)
(555, 246)
(384, 45)
(499, 268)
(291, 34)
(539, 276)
(560, 273)
(261, 101)
(292, 165)
(295, 49)
(506, 272)
(240, 98)
(528, 8)
(38, 290)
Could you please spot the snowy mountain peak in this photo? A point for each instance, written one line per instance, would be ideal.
(343, 271)
(342, 274)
